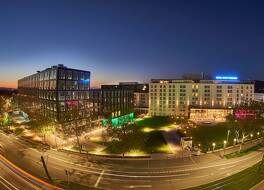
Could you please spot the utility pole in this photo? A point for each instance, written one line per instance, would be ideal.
(68, 180)
(45, 168)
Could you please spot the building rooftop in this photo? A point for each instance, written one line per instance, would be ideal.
(202, 81)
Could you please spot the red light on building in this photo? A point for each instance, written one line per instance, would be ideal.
(72, 103)
(245, 114)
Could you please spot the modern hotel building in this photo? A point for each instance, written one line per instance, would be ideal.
(176, 97)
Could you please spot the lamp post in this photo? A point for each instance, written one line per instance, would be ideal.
(251, 136)
(224, 146)
(228, 133)
(235, 140)
(213, 146)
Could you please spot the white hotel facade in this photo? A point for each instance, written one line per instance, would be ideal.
(175, 97)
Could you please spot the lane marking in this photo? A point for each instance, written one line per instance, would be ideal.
(227, 167)
(27, 175)
(192, 160)
(99, 179)
(9, 183)
(5, 185)
(138, 186)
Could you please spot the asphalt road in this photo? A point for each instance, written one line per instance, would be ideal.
(168, 174)
(9, 180)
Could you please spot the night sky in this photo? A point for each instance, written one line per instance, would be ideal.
(132, 40)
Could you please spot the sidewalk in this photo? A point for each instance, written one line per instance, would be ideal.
(174, 141)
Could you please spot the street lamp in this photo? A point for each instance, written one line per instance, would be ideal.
(235, 140)
(224, 146)
(228, 133)
(213, 146)
(251, 135)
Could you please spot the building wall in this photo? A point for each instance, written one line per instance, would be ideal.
(141, 95)
(141, 102)
(116, 101)
(174, 97)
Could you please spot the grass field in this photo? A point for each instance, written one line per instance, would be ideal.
(153, 143)
(151, 133)
(205, 135)
(157, 123)
(243, 180)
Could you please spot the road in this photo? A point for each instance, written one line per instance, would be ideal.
(12, 181)
(168, 174)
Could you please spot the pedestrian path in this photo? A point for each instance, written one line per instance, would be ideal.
(174, 142)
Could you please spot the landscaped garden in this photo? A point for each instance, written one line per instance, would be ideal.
(204, 136)
(141, 138)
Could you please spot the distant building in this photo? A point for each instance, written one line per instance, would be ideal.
(175, 97)
(116, 101)
(259, 91)
(7, 91)
(259, 97)
(112, 103)
(141, 96)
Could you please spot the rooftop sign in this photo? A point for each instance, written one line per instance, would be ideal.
(226, 78)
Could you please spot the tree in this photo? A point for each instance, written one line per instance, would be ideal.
(128, 136)
(72, 125)
(245, 128)
(7, 120)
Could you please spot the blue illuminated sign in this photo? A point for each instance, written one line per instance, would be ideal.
(226, 78)
(85, 81)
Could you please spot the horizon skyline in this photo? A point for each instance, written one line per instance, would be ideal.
(132, 40)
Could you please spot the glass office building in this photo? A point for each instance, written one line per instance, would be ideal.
(55, 92)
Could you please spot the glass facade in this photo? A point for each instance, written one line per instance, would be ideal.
(57, 91)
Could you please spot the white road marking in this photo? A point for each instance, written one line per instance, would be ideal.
(5, 185)
(99, 179)
(9, 183)
(138, 186)
(224, 168)
(192, 160)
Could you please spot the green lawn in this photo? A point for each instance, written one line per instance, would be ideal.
(155, 122)
(153, 143)
(243, 180)
(148, 140)
(205, 135)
